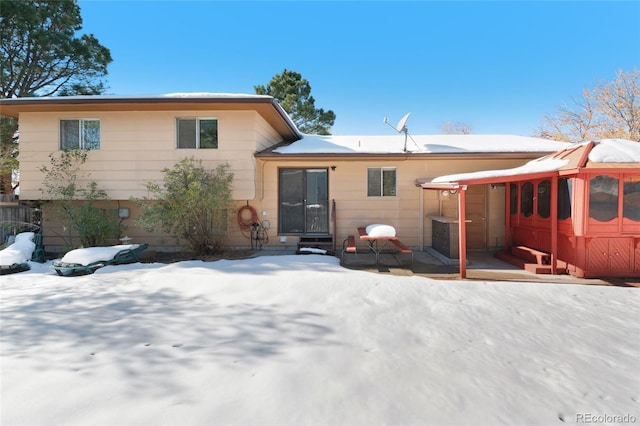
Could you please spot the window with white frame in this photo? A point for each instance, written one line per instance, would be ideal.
(79, 134)
(197, 133)
(381, 182)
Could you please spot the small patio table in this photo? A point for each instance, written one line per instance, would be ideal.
(375, 243)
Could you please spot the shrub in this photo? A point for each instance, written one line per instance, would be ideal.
(76, 204)
(191, 204)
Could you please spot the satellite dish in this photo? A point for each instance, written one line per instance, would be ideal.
(400, 127)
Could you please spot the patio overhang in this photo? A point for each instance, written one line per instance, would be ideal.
(545, 167)
(427, 183)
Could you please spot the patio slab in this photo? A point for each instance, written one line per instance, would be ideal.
(481, 266)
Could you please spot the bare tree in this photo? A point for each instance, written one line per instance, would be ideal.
(610, 110)
(620, 103)
(457, 128)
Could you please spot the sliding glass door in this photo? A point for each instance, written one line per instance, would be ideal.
(303, 201)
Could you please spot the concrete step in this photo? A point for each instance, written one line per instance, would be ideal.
(531, 255)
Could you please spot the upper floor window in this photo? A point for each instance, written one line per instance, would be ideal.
(197, 133)
(79, 134)
(381, 182)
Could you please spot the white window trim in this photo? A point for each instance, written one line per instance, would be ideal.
(198, 119)
(80, 132)
(382, 169)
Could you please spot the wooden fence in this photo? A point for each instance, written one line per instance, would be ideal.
(15, 219)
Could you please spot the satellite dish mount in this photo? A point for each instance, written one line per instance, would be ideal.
(401, 127)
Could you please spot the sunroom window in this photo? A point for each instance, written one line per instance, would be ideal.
(526, 200)
(631, 206)
(564, 198)
(603, 198)
(79, 134)
(544, 199)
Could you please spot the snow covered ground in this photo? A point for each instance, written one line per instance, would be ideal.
(299, 340)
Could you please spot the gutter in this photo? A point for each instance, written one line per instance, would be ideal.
(100, 99)
(287, 119)
(274, 156)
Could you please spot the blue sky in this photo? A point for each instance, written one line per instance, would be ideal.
(498, 66)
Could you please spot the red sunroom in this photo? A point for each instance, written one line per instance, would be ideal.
(573, 212)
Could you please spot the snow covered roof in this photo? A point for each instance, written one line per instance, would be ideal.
(601, 153)
(178, 95)
(418, 144)
(615, 151)
(210, 95)
(542, 165)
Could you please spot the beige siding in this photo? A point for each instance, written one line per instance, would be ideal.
(408, 212)
(265, 134)
(136, 146)
(58, 239)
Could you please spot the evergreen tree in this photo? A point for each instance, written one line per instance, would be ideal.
(293, 93)
(42, 55)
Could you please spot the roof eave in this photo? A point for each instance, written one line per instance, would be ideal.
(286, 127)
(268, 155)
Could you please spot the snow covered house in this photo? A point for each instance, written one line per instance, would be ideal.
(303, 190)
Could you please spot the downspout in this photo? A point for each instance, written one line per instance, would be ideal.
(554, 224)
(507, 217)
(462, 230)
(421, 210)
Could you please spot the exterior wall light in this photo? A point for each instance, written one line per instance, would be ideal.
(123, 212)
